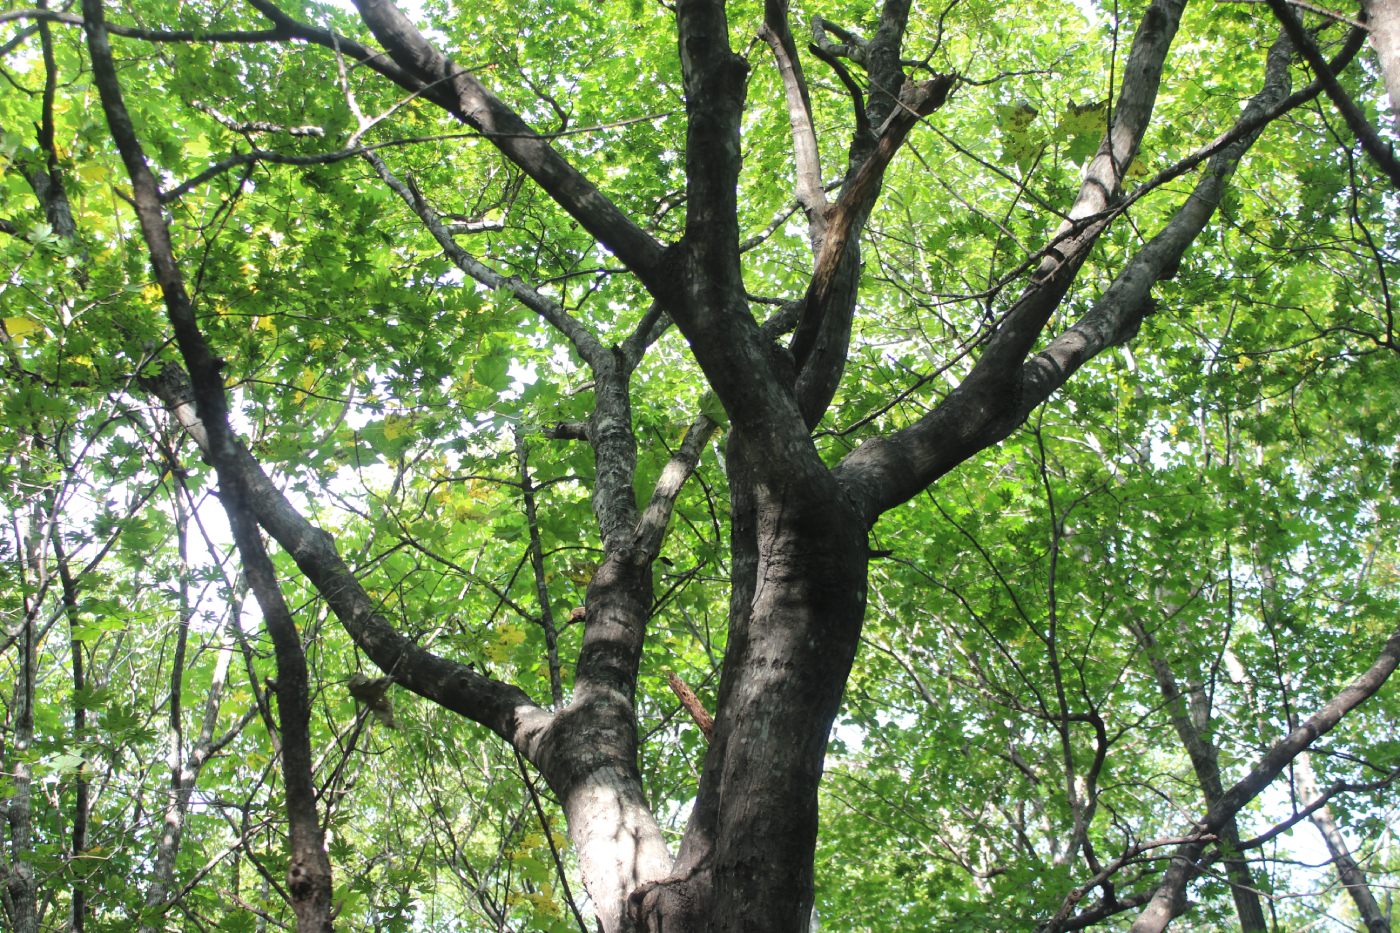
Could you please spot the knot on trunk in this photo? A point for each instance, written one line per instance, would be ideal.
(675, 903)
(303, 880)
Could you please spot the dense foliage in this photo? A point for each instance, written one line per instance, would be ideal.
(1167, 567)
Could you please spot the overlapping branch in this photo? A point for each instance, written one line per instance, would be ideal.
(152, 35)
(1356, 121)
(583, 340)
(501, 707)
(652, 525)
(1001, 389)
(706, 297)
(1169, 897)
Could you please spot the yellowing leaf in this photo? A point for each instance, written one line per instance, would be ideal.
(1085, 118)
(19, 328)
(1138, 169)
(305, 383)
(1015, 118)
(465, 513)
(541, 901)
(92, 172)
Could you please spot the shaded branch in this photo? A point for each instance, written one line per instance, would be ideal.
(1349, 871)
(15, 41)
(1205, 762)
(501, 707)
(1132, 112)
(255, 126)
(651, 528)
(153, 35)
(583, 340)
(1169, 898)
(1318, 802)
(707, 300)
(327, 158)
(422, 67)
(566, 431)
(1064, 920)
(884, 64)
(819, 345)
(851, 46)
(649, 329)
(1314, 8)
(536, 550)
(852, 88)
(1001, 390)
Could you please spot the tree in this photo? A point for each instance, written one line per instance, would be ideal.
(499, 326)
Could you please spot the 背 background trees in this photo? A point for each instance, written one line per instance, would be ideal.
(988, 411)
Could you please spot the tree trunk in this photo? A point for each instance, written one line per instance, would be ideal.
(182, 785)
(746, 863)
(78, 911)
(589, 754)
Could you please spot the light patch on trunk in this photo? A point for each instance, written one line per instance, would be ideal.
(619, 843)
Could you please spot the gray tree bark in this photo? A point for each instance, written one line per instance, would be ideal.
(21, 895)
(1350, 873)
(1383, 18)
